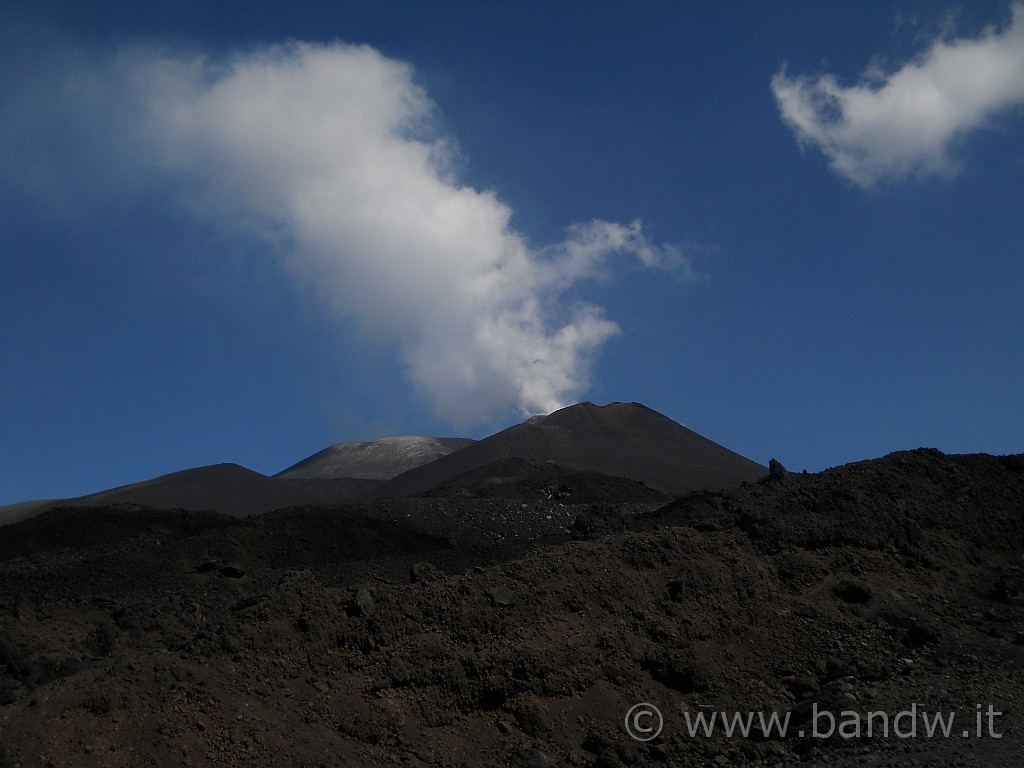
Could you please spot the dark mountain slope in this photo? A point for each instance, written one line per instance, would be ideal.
(533, 478)
(625, 440)
(622, 439)
(227, 488)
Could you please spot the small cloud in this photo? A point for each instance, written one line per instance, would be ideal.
(905, 123)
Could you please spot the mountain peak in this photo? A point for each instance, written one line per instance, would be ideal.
(624, 439)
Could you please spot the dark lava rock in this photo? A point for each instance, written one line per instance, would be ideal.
(777, 472)
(502, 596)
(867, 587)
(852, 592)
(425, 573)
(599, 518)
(921, 635)
(361, 604)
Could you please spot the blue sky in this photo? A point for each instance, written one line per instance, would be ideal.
(244, 231)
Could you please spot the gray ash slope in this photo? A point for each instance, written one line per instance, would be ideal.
(380, 459)
(622, 439)
(487, 631)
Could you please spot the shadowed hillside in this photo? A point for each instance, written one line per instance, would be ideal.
(227, 488)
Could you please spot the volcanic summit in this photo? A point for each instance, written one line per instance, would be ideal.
(621, 439)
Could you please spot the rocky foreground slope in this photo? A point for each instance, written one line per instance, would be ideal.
(473, 629)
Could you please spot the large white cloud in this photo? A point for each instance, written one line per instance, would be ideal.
(905, 123)
(333, 151)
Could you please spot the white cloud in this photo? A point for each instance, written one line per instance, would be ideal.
(905, 123)
(334, 150)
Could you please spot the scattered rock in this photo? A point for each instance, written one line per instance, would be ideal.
(425, 573)
(501, 597)
(361, 604)
(532, 718)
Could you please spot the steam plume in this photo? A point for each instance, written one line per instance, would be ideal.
(334, 152)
